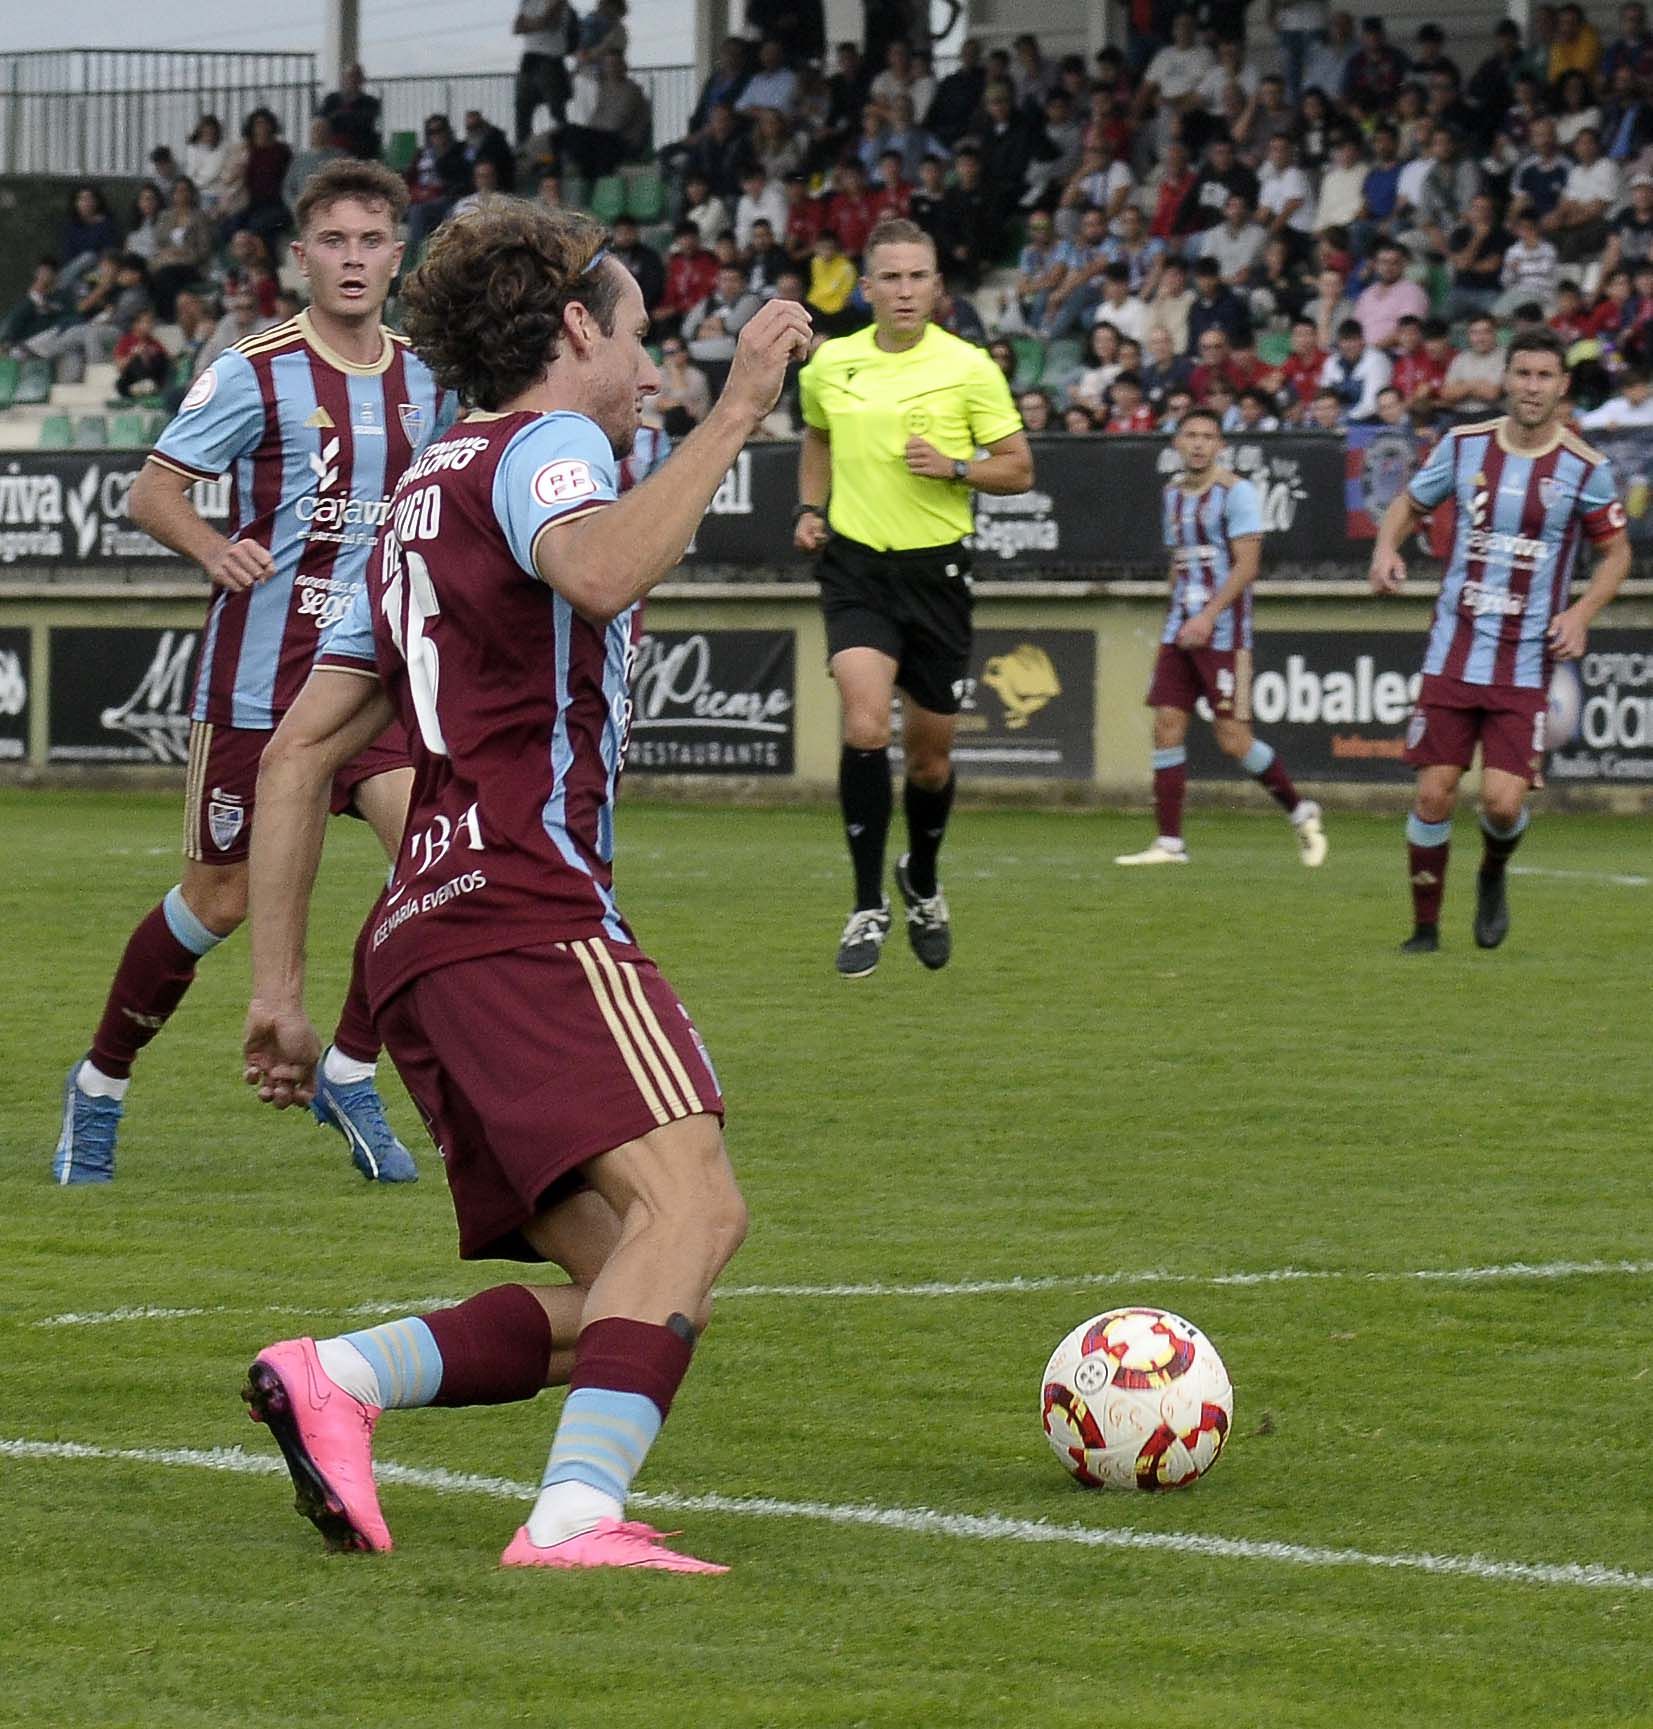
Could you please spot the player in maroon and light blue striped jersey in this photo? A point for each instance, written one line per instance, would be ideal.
(1528, 490)
(315, 421)
(1213, 529)
(578, 1114)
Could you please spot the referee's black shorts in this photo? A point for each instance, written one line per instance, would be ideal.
(913, 606)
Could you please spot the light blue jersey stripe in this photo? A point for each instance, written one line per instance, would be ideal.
(269, 603)
(617, 643)
(1471, 460)
(1508, 508)
(554, 815)
(1549, 583)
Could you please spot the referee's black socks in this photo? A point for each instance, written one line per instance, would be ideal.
(927, 811)
(864, 793)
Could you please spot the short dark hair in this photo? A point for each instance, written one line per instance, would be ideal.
(1538, 342)
(485, 309)
(1351, 327)
(346, 177)
(896, 231)
(1200, 412)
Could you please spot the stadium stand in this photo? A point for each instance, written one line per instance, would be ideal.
(1274, 185)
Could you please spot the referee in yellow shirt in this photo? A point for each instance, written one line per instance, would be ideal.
(894, 416)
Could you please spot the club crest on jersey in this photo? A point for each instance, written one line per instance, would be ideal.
(200, 392)
(225, 820)
(1550, 492)
(562, 482)
(412, 417)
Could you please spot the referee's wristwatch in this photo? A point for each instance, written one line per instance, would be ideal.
(800, 511)
(961, 468)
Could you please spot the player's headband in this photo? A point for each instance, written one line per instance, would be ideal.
(596, 258)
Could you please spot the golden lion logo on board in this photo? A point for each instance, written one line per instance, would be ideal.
(1024, 680)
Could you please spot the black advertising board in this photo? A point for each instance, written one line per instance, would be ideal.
(1095, 506)
(121, 695)
(1333, 703)
(1601, 712)
(16, 678)
(69, 508)
(1029, 706)
(714, 702)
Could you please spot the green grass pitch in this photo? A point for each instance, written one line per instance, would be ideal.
(1127, 1086)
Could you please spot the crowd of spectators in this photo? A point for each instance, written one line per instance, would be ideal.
(1317, 227)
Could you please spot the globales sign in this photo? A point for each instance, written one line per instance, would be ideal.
(1601, 712)
(713, 702)
(1334, 703)
(72, 509)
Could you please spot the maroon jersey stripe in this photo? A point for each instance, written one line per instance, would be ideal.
(1521, 575)
(1475, 569)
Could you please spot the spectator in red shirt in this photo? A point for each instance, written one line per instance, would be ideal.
(1300, 371)
(1571, 318)
(1422, 355)
(1176, 181)
(890, 197)
(804, 220)
(849, 209)
(141, 363)
(1219, 363)
(1611, 312)
(1127, 412)
(691, 274)
(258, 168)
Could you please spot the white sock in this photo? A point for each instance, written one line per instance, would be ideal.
(345, 1071)
(1170, 842)
(1303, 810)
(92, 1081)
(566, 1509)
(346, 1367)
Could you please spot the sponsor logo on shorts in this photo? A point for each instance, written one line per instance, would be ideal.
(200, 392)
(563, 482)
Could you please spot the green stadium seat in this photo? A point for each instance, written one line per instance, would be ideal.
(576, 193)
(34, 383)
(183, 368)
(91, 432)
(10, 371)
(401, 150)
(1063, 359)
(129, 430)
(57, 432)
(645, 195)
(608, 197)
(1030, 362)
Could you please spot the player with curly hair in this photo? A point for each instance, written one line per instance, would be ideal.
(578, 1114)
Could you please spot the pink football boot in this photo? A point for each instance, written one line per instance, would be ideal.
(326, 1437)
(609, 1543)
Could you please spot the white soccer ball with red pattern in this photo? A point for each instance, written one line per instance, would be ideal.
(1136, 1399)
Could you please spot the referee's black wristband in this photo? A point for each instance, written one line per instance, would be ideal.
(800, 511)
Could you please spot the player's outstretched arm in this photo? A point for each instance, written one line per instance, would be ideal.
(604, 562)
(337, 715)
(1400, 522)
(1570, 630)
(160, 506)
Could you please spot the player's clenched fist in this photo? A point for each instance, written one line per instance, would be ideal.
(241, 564)
(771, 340)
(1388, 573)
(809, 533)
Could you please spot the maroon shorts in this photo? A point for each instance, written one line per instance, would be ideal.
(1452, 717)
(1221, 675)
(528, 1064)
(222, 786)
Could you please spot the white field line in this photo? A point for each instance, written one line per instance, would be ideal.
(1507, 1271)
(1614, 879)
(910, 1521)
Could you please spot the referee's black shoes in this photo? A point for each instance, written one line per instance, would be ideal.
(929, 925)
(862, 941)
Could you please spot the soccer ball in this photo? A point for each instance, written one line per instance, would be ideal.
(1136, 1399)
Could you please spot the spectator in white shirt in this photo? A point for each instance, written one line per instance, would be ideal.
(1101, 183)
(1230, 73)
(706, 210)
(1578, 224)
(1327, 61)
(1119, 307)
(711, 325)
(1236, 242)
(761, 200)
(1342, 186)
(1633, 406)
(1171, 83)
(1355, 372)
(1532, 268)
(899, 78)
(773, 85)
(1284, 197)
